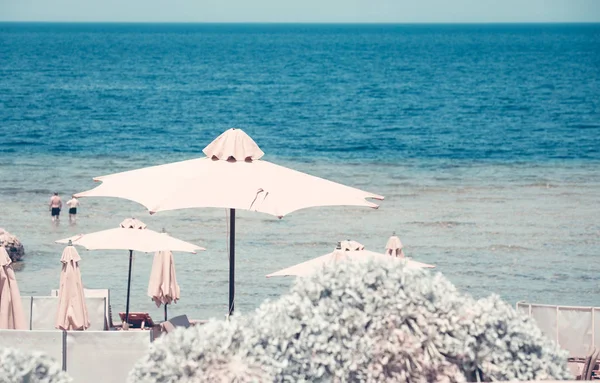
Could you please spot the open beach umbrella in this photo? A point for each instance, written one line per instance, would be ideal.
(11, 309)
(339, 255)
(131, 235)
(72, 312)
(393, 247)
(163, 287)
(231, 176)
(351, 245)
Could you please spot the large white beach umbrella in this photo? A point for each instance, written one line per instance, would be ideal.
(342, 253)
(131, 235)
(231, 176)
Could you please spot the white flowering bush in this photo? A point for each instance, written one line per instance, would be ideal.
(361, 322)
(29, 367)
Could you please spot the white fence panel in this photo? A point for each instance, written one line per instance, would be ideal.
(524, 308)
(43, 313)
(575, 330)
(26, 303)
(96, 311)
(596, 327)
(49, 342)
(94, 293)
(546, 318)
(108, 355)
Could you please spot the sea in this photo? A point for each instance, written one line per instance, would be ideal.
(484, 140)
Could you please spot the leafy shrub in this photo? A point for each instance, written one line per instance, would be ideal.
(361, 321)
(29, 367)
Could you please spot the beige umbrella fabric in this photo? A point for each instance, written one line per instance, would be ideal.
(393, 247)
(11, 310)
(163, 287)
(72, 312)
(339, 255)
(351, 245)
(132, 235)
(231, 176)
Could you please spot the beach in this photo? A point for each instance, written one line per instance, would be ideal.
(492, 175)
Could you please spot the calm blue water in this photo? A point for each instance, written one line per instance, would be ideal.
(485, 141)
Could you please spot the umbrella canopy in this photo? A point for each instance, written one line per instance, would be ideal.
(339, 255)
(351, 245)
(132, 235)
(163, 287)
(393, 247)
(232, 176)
(11, 309)
(72, 312)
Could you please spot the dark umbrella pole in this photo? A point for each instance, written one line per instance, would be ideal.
(166, 311)
(231, 260)
(126, 324)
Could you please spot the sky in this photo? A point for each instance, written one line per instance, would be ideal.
(317, 11)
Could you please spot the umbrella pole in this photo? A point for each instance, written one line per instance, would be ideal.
(231, 260)
(166, 311)
(128, 289)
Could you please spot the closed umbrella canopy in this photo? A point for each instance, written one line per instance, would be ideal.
(131, 235)
(393, 247)
(72, 312)
(233, 176)
(11, 309)
(339, 255)
(163, 287)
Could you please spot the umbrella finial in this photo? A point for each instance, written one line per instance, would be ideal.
(163, 230)
(394, 233)
(70, 243)
(339, 246)
(233, 145)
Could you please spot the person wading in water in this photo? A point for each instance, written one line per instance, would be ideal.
(55, 206)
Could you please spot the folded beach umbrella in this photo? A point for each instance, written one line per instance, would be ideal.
(340, 255)
(393, 247)
(11, 309)
(232, 175)
(131, 235)
(163, 287)
(72, 312)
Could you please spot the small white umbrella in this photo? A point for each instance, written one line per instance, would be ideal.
(231, 176)
(340, 255)
(393, 247)
(131, 235)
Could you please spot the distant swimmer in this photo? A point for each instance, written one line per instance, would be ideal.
(55, 206)
(73, 203)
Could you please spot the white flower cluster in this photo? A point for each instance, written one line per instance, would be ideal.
(361, 322)
(35, 367)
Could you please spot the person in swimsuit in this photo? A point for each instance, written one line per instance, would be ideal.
(55, 206)
(73, 203)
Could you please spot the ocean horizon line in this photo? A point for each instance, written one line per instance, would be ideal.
(286, 23)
